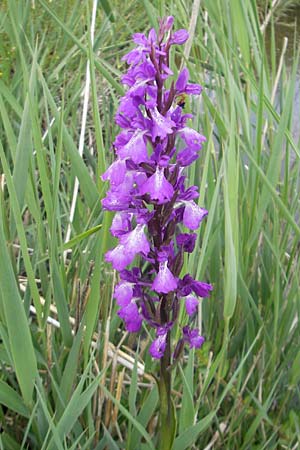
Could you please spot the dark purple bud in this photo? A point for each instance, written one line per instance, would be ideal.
(131, 317)
(179, 37)
(202, 289)
(193, 337)
(152, 38)
(165, 25)
(187, 240)
(193, 89)
(187, 156)
(182, 80)
(178, 350)
(177, 263)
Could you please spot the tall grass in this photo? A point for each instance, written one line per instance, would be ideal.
(70, 376)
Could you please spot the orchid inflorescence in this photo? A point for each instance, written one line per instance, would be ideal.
(149, 194)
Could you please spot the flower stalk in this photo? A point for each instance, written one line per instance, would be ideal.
(156, 212)
(167, 419)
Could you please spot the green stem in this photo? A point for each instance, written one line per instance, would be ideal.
(167, 422)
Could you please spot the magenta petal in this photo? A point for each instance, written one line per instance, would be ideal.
(193, 139)
(119, 257)
(164, 281)
(191, 304)
(158, 187)
(193, 215)
(135, 148)
(179, 37)
(202, 289)
(162, 126)
(130, 315)
(120, 223)
(115, 173)
(158, 346)
(140, 39)
(135, 241)
(193, 337)
(196, 340)
(193, 89)
(123, 293)
(182, 80)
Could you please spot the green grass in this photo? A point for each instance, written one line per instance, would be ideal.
(72, 387)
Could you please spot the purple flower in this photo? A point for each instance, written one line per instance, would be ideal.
(193, 215)
(158, 346)
(118, 257)
(130, 314)
(179, 37)
(150, 194)
(123, 293)
(182, 85)
(115, 173)
(161, 125)
(135, 241)
(164, 281)
(120, 224)
(202, 289)
(192, 138)
(187, 240)
(188, 285)
(165, 25)
(187, 156)
(191, 304)
(158, 187)
(135, 148)
(193, 337)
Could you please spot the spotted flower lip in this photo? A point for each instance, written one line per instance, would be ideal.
(158, 187)
(135, 148)
(123, 293)
(158, 346)
(161, 125)
(150, 195)
(121, 223)
(115, 173)
(136, 241)
(130, 314)
(193, 139)
(164, 281)
(193, 215)
(118, 257)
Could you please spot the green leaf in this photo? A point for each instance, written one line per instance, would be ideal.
(186, 439)
(187, 411)
(21, 346)
(127, 414)
(77, 239)
(10, 398)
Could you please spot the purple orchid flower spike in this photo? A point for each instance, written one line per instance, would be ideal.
(156, 210)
